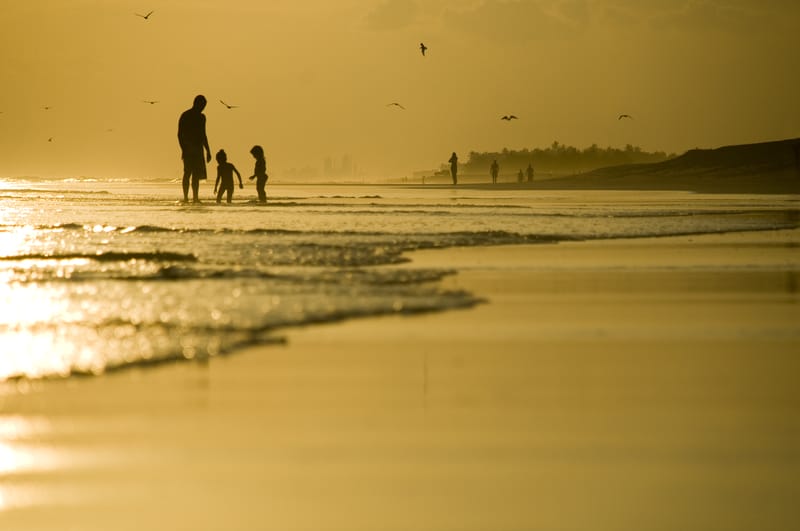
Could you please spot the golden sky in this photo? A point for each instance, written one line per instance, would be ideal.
(312, 79)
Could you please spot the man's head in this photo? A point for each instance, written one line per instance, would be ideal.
(199, 102)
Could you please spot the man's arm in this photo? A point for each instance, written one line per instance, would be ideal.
(181, 134)
(205, 140)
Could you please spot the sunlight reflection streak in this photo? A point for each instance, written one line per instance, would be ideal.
(24, 451)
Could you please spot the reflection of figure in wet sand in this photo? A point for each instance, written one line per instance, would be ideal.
(192, 139)
(529, 171)
(260, 173)
(225, 171)
(494, 170)
(454, 167)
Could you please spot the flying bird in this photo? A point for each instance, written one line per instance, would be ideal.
(146, 17)
(151, 102)
(50, 139)
(228, 106)
(47, 107)
(422, 48)
(509, 117)
(621, 116)
(395, 104)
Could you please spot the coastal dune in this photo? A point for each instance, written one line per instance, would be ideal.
(760, 168)
(767, 167)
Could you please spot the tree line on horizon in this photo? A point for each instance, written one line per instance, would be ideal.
(559, 158)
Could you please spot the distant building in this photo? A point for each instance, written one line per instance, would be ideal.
(346, 168)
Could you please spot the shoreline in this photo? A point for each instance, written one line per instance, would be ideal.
(659, 370)
(786, 184)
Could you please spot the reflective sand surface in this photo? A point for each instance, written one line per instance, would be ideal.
(635, 384)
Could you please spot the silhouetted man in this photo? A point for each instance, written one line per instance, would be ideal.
(454, 167)
(192, 138)
(494, 170)
(529, 171)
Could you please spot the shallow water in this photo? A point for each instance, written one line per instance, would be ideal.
(96, 276)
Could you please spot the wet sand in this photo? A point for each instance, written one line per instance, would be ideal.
(620, 385)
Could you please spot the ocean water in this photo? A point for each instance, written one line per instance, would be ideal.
(102, 275)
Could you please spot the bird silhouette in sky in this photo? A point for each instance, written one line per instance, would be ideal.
(394, 103)
(509, 117)
(47, 107)
(621, 116)
(151, 102)
(228, 106)
(423, 48)
(146, 17)
(50, 139)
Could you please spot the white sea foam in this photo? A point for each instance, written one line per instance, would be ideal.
(97, 276)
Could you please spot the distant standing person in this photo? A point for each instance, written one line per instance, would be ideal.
(192, 139)
(260, 173)
(454, 167)
(494, 170)
(225, 171)
(530, 172)
(520, 176)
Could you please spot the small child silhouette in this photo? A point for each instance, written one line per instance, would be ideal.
(260, 172)
(225, 172)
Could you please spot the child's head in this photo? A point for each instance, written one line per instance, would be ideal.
(222, 156)
(257, 152)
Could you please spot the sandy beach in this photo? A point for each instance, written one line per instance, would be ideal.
(490, 265)
(580, 395)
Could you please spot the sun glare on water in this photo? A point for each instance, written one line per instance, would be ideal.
(27, 346)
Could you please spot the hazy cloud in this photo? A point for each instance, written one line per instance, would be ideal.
(693, 15)
(706, 15)
(393, 15)
(574, 12)
(504, 20)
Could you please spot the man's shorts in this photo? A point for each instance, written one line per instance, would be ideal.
(195, 165)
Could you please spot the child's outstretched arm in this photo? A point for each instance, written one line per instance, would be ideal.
(216, 183)
(239, 175)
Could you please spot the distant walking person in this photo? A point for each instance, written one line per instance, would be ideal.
(520, 176)
(260, 173)
(192, 139)
(454, 167)
(494, 170)
(225, 171)
(529, 171)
